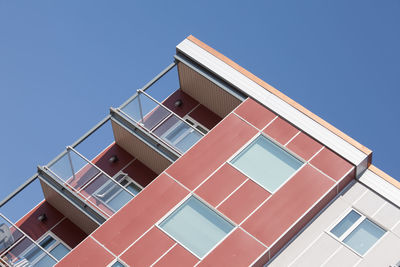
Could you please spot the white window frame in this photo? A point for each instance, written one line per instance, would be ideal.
(117, 260)
(235, 226)
(43, 254)
(352, 228)
(125, 177)
(304, 162)
(195, 123)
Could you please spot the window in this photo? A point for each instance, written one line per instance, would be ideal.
(181, 136)
(115, 196)
(196, 226)
(117, 264)
(37, 257)
(196, 124)
(358, 232)
(266, 163)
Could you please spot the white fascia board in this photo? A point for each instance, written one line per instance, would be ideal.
(381, 186)
(279, 106)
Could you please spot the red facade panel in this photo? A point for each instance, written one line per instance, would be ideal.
(244, 201)
(148, 248)
(255, 113)
(141, 213)
(281, 130)
(238, 249)
(331, 164)
(304, 146)
(222, 183)
(88, 253)
(177, 257)
(211, 152)
(288, 204)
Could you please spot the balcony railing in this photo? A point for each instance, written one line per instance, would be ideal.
(19, 227)
(161, 122)
(94, 186)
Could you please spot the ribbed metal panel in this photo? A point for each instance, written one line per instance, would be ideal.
(207, 93)
(139, 150)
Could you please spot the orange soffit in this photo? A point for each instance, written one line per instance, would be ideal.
(281, 95)
(384, 176)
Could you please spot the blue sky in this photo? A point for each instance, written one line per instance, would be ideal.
(64, 63)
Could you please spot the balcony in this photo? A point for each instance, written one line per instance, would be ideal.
(111, 164)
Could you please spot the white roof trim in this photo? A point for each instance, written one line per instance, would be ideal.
(255, 91)
(381, 186)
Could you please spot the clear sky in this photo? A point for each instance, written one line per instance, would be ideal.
(64, 63)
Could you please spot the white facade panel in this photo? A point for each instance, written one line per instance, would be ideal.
(381, 186)
(296, 117)
(343, 257)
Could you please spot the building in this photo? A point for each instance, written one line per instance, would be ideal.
(206, 165)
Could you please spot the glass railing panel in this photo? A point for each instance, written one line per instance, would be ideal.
(73, 170)
(106, 194)
(92, 184)
(145, 111)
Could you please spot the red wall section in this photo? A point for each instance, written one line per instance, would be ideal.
(205, 116)
(102, 160)
(287, 204)
(35, 228)
(222, 183)
(177, 257)
(244, 201)
(148, 249)
(304, 146)
(88, 253)
(238, 249)
(254, 113)
(281, 130)
(141, 213)
(71, 234)
(331, 164)
(188, 104)
(212, 151)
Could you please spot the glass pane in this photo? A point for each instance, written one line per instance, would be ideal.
(119, 200)
(266, 163)
(46, 261)
(177, 132)
(345, 224)
(188, 141)
(134, 189)
(47, 242)
(117, 264)
(33, 253)
(196, 226)
(59, 251)
(364, 236)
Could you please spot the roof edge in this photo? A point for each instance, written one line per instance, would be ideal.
(282, 96)
(384, 176)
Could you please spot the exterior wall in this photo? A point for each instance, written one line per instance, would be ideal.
(59, 225)
(316, 247)
(263, 221)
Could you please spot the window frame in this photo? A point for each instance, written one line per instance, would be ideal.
(261, 134)
(117, 260)
(352, 228)
(211, 208)
(125, 177)
(195, 123)
(48, 250)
